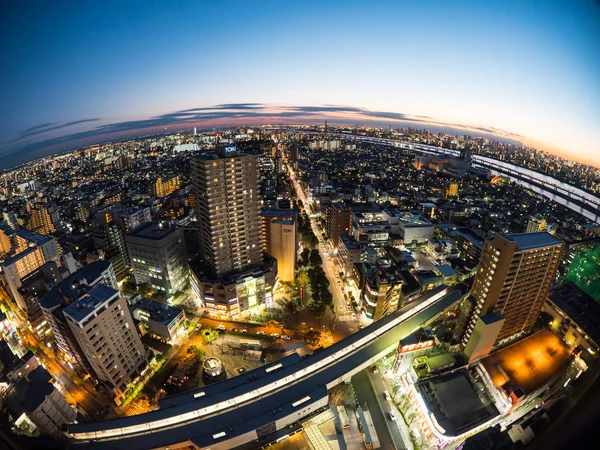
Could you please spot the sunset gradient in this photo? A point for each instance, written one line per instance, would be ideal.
(73, 73)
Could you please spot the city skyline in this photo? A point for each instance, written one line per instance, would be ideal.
(100, 74)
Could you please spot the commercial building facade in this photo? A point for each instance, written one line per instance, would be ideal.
(158, 256)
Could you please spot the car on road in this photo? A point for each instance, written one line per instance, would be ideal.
(275, 335)
(392, 416)
(221, 327)
(375, 369)
(198, 326)
(360, 326)
(261, 333)
(241, 369)
(386, 395)
(286, 337)
(244, 331)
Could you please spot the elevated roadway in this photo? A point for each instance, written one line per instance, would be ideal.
(246, 408)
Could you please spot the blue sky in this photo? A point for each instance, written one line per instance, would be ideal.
(71, 68)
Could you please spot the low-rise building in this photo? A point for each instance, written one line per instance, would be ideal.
(576, 318)
(162, 320)
(238, 293)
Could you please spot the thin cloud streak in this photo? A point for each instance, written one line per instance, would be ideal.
(225, 114)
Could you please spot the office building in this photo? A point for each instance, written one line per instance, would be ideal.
(338, 221)
(576, 319)
(513, 279)
(227, 209)
(102, 325)
(165, 186)
(280, 240)
(410, 226)
(158, 256)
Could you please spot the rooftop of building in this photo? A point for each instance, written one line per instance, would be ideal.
(348, 242)
(446, 270)
(159, 312)
(340, 207)
(154, 230)
(28, 394)
(579, 306)
(408, 218)
(90, 301)
(471, 236)
(287, 213)
(32, 236)
(68, 286)
(455, 403)
(528, 363)
(528, 241)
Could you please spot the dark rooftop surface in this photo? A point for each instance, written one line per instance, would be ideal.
(159, 312)
(454, 402)
(153, 230)
(580, 307)
(66, 287)
(290, 213)
(526, 241)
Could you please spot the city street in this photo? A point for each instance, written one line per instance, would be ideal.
(369, 399)
(341, 328)
(79, 392)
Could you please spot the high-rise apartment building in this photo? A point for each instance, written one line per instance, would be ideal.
(338, 222)
(234, 275)
(452, 190)
(513, 279)
(227, 209)
(41, 219)
(11, 219)
(158, 256)
(31, 252)
(536, 224)
(66, 292)
(165, 186)
(103, 327)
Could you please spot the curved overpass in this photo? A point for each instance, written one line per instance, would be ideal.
(240, 407)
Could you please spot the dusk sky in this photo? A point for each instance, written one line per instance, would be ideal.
(73, 73)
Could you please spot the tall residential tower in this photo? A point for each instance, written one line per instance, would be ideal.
(227, 208)
(513, 279)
